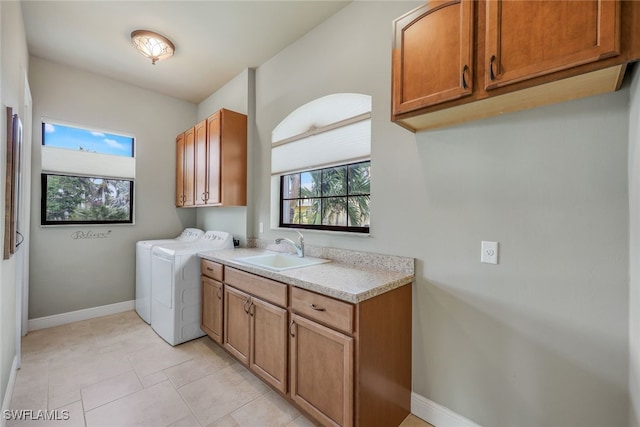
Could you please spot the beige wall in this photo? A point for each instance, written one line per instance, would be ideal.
(541, 338)
(68, 274)
(13, 70)
(634, 249)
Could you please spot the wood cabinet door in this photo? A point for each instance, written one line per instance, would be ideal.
(237, 323)
(189, 167)
(269, 343)
(212, 313)
(527, 39)
(213, 159)
(432, 55)
(321, 371)
(201, 163)
(180, 170)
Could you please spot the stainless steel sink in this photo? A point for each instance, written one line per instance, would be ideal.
(281, 262)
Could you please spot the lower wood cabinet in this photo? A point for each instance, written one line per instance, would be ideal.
(342, 364)
(269, 343)
(256, 334)
(212, 308)
(237, 324)
(322, 371)
(212, 299)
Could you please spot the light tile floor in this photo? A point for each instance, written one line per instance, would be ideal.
(115, 371)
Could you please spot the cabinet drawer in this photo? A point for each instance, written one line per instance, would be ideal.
(326, 310)
(269, 290)
(212, 269)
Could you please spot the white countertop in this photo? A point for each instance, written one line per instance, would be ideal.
(338, 280)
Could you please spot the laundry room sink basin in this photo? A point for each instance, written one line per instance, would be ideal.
(281, 262)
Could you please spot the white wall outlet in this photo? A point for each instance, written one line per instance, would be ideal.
(489, 252)
(261, 227)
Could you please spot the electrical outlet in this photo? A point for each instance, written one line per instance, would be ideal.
(489, 252)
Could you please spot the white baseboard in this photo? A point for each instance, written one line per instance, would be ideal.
(8, 394)
(76, 316)
(436, 414)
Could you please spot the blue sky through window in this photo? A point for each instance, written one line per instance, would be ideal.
(72, 138)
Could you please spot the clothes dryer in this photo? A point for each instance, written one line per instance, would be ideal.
(176, 288)
(143, 268)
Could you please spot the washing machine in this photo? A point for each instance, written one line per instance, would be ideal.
(176, 289)
(143, 268)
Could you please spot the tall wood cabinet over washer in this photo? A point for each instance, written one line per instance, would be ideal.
(211, 162)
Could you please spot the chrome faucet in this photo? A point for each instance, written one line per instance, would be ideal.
(299, 247)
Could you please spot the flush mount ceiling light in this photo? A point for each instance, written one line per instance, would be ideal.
(152, 45)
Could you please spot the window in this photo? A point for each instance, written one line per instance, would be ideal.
(87, 176)
(320, 165)
(73, 138)
(334, 198)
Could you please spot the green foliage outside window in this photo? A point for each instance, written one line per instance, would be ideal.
(74, 199)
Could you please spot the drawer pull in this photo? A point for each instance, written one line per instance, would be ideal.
(317, 308)
(492, 74)
(464, 78)
(291, 329)
(209, 269)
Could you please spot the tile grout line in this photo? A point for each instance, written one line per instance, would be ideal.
(200, 423)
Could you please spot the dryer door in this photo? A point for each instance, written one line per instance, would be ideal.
(162, 281)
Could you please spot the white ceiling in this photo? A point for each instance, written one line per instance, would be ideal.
(215, 40)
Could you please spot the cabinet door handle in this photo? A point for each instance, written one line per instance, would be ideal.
(317, 308)
(291, 329)
(464, 77)
(203, 197)
(219, 293)
(492, 74)
(206, 196)
(246, 306)
(252, 309)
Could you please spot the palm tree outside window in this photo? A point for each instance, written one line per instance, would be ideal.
(335, 198)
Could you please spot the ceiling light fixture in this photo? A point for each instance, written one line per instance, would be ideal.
(152, 45)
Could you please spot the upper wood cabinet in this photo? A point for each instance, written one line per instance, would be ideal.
(180, 170)
(527, 39)
(227, 159)
(433, 55)
(185, 168)
(211, 165)
(459, 60)
(200, 136)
